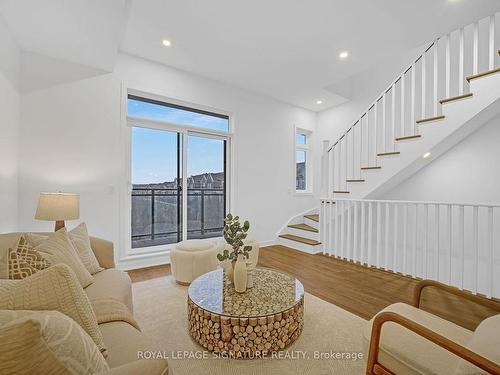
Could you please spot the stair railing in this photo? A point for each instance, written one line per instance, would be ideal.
(413, 98)
(455, 243)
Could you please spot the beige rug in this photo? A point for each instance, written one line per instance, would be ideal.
(160, 308)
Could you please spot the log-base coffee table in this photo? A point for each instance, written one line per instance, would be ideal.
(264, 319)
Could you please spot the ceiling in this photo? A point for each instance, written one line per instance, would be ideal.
(286, 49)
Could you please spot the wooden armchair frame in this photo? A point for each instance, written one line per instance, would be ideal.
(375, 368)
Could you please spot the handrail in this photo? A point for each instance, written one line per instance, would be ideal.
(412, 202)
(385, 92)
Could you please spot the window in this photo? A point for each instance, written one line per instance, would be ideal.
(178, 174)
(302, 161)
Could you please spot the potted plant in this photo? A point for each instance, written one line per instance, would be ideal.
(234, 234)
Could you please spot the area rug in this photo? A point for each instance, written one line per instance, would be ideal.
(331, 342)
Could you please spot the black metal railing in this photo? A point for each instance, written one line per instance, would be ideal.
(157, 214)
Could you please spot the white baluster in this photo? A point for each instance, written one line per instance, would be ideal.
(414, 247)
(360, 145)
(426, 239)
(393, 117)
(386, 238)
(402, 134)
(383, 122)
(491, 49)
(436, 238)
(375, 126)
(412, 118)
(346, 162)
(395, 239)
(491, 260)
(450, 239)
(362, 240)
(405, 233)
(355, 245)
(448, 66)
(370, 234)
(435, 77)
(336, 224)
(330, 230)
(475, 48)
(461, 230)
(379, 231)
(424, 78)
(348, 253)
(475, 248)
(461, 62)
(342, 228)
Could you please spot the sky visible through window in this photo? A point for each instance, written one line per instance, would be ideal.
(154, 152)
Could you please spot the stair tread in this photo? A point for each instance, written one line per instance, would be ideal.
(341, 192)
(429, 119)
(313, 217)
(479, 75)
(354, 180)
(408, 137)
(453, 98)
(304, 240)
(389, 153)
(303, 227)
(373, 167)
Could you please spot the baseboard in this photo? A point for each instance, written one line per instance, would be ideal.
(267, 243)
(132, 262)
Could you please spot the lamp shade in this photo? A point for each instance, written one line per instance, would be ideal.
(58, 206)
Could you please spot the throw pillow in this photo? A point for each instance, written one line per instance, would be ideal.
(46, 342)
(54, 288)
(24, 261)
(58, 248)
(80, 238)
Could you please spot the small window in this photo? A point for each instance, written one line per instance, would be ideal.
(302, 161)
(156, 110)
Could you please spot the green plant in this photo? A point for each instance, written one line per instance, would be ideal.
(234, 234)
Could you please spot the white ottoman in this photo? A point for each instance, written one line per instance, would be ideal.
(192, 258)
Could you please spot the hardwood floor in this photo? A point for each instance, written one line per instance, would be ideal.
(360, 290)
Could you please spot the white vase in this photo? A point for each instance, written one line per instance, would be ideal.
(240, 274)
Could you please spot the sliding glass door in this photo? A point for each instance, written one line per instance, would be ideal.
(206, 186)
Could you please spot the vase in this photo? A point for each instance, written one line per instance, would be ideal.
(240, 274)
(228, 268)
(250, 272)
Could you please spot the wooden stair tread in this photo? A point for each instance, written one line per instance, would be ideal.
(354, 180)
(341, 192)
(408, 137)
(429, 119)
(374, 167)
(479, 75)
(313, 217)
(303, 227)
(453, 98)
(389, 153)
(304, 240)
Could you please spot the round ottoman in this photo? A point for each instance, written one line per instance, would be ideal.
(192, 258)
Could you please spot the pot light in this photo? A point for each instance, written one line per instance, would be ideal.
(344, 54)
(319, 102)
(166, 42)
(426, 155)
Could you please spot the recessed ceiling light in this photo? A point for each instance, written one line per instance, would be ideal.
(344, 54)
(166, 42)
(426, 155)
(319, 101)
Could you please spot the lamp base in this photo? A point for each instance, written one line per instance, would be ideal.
(59, 225)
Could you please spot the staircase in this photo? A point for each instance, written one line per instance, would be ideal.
(302, 233)
(448, 92)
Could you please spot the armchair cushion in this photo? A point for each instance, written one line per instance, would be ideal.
(80, 238)
(103, 251)
(405, 352)
(486, 342)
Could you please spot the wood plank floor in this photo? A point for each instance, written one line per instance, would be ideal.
(360, 290)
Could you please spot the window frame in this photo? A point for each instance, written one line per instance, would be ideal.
(308, 160)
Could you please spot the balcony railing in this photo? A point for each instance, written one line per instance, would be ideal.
(157, 214)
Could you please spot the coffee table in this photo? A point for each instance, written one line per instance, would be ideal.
(264, 319)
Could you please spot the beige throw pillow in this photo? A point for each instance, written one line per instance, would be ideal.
(80, 238)
(58, 248)
(46, 342)
(55, 288)
(24, 261)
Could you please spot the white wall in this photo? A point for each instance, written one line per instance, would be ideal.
(9, 129)
(469, 172)
(72, 140)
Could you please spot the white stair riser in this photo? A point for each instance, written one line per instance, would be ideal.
(302, 233)
(300, 246)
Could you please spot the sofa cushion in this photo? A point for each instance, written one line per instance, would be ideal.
(24, 260)
(46, 342)
(405, 352)
(486, 342)
(7, 241)
(55, 288)
(125, 344)
(111, 283)
(81, 241)
(58, 248)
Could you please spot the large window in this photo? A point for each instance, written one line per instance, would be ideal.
(302, 161)
(179, 175)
